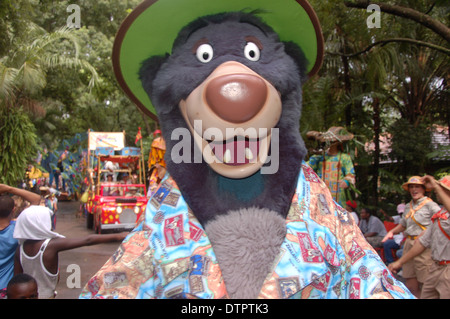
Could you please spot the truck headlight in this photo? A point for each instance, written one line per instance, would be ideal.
(137, 210)
(119, 210)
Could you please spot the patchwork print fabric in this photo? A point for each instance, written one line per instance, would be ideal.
(169, 255)
(333, 169)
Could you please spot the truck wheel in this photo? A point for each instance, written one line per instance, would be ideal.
(89, 220)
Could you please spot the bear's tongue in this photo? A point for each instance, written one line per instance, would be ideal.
(236, 151)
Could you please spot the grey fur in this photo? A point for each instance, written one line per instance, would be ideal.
(246, 243)
(172, 78)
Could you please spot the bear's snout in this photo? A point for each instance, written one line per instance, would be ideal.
(236, 98)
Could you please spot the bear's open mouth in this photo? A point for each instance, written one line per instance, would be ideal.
(236, 151)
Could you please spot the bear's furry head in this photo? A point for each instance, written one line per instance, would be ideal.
(170, 79)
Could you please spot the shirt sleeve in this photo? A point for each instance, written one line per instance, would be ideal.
(367, 276)
(425, 239)
(123, 274)
(434, 208)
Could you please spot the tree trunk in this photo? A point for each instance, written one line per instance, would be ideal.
(347, 86)
(376, 157)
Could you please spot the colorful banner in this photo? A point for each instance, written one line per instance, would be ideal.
(106, 139)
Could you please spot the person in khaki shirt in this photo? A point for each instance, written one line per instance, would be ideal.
(415, 219)
(436, 237)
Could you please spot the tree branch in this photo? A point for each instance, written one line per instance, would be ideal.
(404, 12)
(384, 42)
(431, 8)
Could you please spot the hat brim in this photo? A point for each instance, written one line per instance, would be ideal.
(405, 186)
(330, 135)
(152, 27)
(444, 185)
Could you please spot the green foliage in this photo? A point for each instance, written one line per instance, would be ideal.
(410, 145)
(25, 68)
(18, 144)
(105, 108)
(398, 88)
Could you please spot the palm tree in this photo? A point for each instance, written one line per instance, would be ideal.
(419, 84)
(23, 71)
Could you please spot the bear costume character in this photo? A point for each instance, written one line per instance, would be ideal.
(239, 214)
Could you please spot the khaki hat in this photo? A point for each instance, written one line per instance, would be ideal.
(415, 180)
(334, 134)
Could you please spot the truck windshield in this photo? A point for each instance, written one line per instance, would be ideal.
(127, 190)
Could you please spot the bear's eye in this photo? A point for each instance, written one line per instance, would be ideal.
(252, 51)
(205, 53)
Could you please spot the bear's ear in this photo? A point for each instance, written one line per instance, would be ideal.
(149, 69)
(296, 53)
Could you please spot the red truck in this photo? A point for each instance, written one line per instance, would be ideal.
(117, 190)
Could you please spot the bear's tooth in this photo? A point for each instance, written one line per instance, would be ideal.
(227, 156)
(248, 154)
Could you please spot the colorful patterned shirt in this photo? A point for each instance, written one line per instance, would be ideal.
(323, 255)
(333, 169)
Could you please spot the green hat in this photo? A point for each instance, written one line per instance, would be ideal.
(151, 28)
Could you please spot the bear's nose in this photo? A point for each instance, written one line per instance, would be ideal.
(236, 98)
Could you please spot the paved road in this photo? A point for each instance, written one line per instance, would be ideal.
(78, 265)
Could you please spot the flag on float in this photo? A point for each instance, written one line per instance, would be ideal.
(138, 136)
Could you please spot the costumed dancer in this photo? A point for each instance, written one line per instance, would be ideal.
(437, 238)
(415, 219)
(334, 166)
